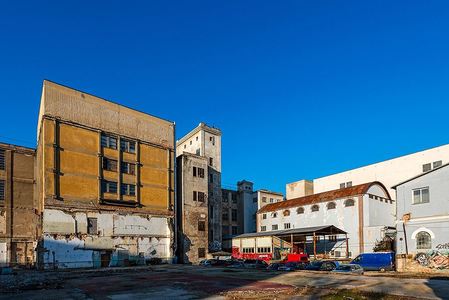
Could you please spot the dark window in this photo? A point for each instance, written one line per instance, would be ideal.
(427, 167)
(128, 146)
(109, 187)
(2, 190)
(128, 189)
(287, 225)
(263, 228)
(92, 226)
(234, 198)
(195, 196)
(2, 159)
(200, 172)
(274, 227)
(315, 208)
(212, 140)
(274, 215)
(201, 252)
(331, 205)
(286, 213)
(201, 225)
(255, 200)
(300, 210)
(198, 151)
(201, 197)
(348, 184)
(235, 229)
(423, 240)
(211, 161)
(211, 178)
(264, 216)
(437, 164)
(234, 215)
(128, 168)
(109, 141)
(225, 215)
(109, 164)
(194, 171)
(349, 202)
(342, 185)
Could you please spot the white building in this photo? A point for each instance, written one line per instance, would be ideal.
(364, 211)
(389, 172)
(265, 197)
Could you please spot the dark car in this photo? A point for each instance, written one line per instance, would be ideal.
(349, 269)
(255, 264)
(320, 265)
(292, 266)
(274, 266)
(236, 265)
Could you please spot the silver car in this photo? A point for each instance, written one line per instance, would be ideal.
(349, 269)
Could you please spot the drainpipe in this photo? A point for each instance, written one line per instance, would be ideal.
(175, 191)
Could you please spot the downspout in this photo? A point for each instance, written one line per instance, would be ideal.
(175, 197)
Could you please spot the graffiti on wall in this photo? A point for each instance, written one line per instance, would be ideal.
(435, 259)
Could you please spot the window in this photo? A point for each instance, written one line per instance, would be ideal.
(234, 215)
(196, 138)
(92, 226)
(264, 216)
(315, 208)
(195, 196)
(274, 215)
(263, 228)
(128, 168)
(201, 197)
(255, 200)
(234, 198)
(263, 249)
(342, 185)
(109, 164)
(248, 250)
(300, 210)
(200, 172)
(332, 238)
(211, 178)
(109, 141)
(185, 146)
(234, 230)
(437, 164)
(287, 225)
(128, 146)
(2, 190)
(201, 225)
(427, 167)
(128, 189)
(348, 184)
(225, 230)
(194, 171)
(271, 200)
(274, 227)
(201, 252)
(286, 213)
(211, 161)
(349, 202)
(331, 205)
(212, 140)
(224, 199)
(264, 199)
(225, 216)
(2, 159)
(421, 195)
(109, 187)
(423, 240)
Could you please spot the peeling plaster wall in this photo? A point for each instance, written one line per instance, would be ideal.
(132, 238)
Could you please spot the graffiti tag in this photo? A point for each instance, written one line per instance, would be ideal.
(443, 246)
(433, 259)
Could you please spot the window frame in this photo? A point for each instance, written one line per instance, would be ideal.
(2, 159)
(127, 145)
(421, 195)
(106, 187)
(128, 189)
(300, 210)
(331, 205)
(349, 200)
(419, 242)
(106, 141)
(2, 190)
(128, 168)
(315, 208)
(201, 225)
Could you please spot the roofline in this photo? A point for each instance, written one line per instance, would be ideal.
(419, 175)
(201, 126)
(270, 192)
(374, 163)
(18, 148)
(113, 102)
(193, 155)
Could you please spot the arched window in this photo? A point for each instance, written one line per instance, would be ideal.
(286, 213)
(331, 205)
(274, 215)
(315, 208)
(300, 210)
(349, 202)
(423, 240)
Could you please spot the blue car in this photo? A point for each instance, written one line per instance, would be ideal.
(378, 261)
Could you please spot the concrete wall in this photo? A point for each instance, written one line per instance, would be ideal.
(389, 172)
(265, 197)
(298, 189)
(129, 239)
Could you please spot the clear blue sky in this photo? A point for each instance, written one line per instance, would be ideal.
(300, 89)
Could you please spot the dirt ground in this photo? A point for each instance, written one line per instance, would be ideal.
(191, 282)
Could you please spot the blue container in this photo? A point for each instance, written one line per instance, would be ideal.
(378, 261)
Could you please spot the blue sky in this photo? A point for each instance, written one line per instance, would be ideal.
(300, 89)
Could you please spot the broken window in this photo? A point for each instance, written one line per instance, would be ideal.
(2, 159)
(109, 187)
(109, 164)
(2, 190)
(128, 168)
(92, 226)
(108, 141)
(128, 189)
(201, 197)
(128, 146)
(201, 252)
(234, 215)
(201, 225)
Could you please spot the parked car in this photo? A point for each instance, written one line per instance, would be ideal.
(349, 269)
(322, 265)
(206, 262)
(236, 264)
(377, 261)
(291, 266)
(274, 266)
(255, 264)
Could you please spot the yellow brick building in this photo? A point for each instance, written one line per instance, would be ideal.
(105, 179)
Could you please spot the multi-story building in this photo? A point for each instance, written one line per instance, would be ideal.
(192, 208)
(364, 211)
(19, 212)
(265, 197)
(205, 141)
(422, 241)
(389, 172)
(105, 178)
(232, 218)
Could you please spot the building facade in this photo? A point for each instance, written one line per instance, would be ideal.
(364, 211)
(205, 141)
(105, 181)
(19, 212)
(423, 222)
(389, 172)
(193, 208)
(232, 218)
(265, 197)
